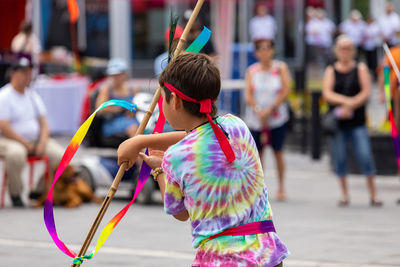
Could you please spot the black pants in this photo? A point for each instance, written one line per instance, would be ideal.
(372, 60)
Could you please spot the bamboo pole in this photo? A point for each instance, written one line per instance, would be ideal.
(140, 130)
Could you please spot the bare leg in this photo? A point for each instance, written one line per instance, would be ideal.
(372, 191)
(280, 167)
(344, 201)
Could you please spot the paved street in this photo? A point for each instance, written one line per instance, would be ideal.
(317, 232)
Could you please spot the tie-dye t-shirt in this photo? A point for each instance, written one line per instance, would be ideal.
(219, 195)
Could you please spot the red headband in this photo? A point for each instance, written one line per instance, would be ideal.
(205, 107)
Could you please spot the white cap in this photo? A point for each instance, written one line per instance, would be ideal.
(116, 66)
(355, 14)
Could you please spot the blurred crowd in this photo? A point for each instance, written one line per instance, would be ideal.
(346, 89)
(367, 35)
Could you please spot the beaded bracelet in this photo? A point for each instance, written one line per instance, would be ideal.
(155, 172)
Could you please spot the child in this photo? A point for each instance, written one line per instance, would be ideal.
(267, 88)
(211, 172)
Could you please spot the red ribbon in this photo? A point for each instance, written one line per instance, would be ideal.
(205, 107)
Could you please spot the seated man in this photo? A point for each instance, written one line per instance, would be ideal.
(24, 129)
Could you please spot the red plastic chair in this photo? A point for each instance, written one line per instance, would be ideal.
(31, 161)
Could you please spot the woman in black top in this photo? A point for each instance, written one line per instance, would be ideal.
(346, 88)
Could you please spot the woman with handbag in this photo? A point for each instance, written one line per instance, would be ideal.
(267, 88)
(346, 88)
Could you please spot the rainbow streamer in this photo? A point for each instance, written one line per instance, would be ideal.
(394, 132)
(200, 41)
(73, 146)
(65, 160)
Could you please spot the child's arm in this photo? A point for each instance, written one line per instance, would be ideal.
(184, 215)
(129, 149)
(248, 94)
(154, 161)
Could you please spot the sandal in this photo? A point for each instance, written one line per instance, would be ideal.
(376, 203)
(343, 203)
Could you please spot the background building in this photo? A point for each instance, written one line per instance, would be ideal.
(133, 29)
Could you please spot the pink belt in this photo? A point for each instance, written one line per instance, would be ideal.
(246, 229)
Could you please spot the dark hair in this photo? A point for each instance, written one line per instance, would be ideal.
(26, 27)
(196, 76)
(257, 43)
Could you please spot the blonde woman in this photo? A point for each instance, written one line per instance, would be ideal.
(346, 88)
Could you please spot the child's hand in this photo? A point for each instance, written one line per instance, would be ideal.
(128, 151)
(154, 159)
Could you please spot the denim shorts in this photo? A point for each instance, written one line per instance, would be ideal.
(358, 138)
(276, 135)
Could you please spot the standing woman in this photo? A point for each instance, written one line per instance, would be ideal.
(267, 88)
(346, 88)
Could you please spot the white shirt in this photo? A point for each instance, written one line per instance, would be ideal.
(354, 29)
(262, 27)
(389, 25)
(266, 86)
(21, 44)
(371, 36)
(22, 111)
(319, 32)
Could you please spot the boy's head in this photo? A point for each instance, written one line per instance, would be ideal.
(196, 76)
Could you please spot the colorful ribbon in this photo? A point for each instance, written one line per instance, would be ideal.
(394, 132)
(66, 158)
(73, 146)
(73, 9)
(200, 41)
(205, 108)
(252, 228)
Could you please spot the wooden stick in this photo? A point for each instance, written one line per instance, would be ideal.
(140, 130)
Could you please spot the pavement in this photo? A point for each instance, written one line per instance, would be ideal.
(317, 232)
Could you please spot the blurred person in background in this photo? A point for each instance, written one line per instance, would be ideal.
(194, 32)
(354, 27)
(319, 32)
(24, 128)
(262, 25)
(118, 121)
(389, 25)
(310, 13)
(346, 88)
(161, 61)
(371, 41)
(26, 44)
(267, 88)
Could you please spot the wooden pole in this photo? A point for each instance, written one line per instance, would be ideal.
(140, 130)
